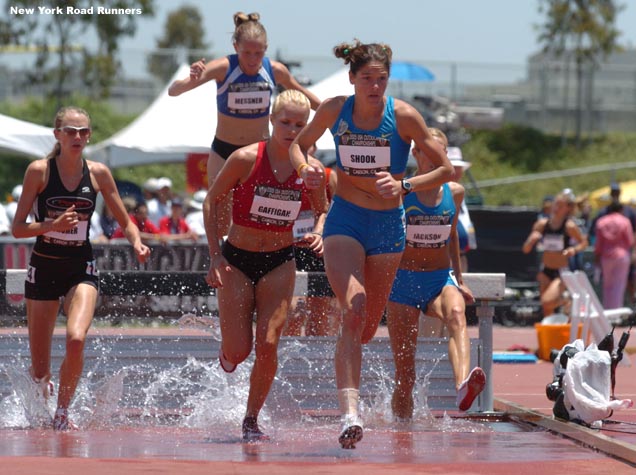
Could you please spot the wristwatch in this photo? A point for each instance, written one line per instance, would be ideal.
(406, 186)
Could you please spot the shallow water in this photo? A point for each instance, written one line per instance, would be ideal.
(177, 382)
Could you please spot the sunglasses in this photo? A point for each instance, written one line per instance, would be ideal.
(72, 131)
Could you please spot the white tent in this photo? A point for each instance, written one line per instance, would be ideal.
(173, 127)
(25, 137)
(167, 131)
(335, 85)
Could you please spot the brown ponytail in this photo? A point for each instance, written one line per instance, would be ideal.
(248, 27)
(358, 55)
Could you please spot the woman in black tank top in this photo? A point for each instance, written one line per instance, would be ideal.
(62, 190)
(561, 238)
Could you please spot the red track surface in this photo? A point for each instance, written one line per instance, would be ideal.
(495, 448)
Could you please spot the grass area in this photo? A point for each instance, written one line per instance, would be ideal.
(514, 151)
(511, 151)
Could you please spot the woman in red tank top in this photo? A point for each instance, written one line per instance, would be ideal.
(254, 269)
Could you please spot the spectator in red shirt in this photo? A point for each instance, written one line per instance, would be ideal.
(174, 227)
(139, 217)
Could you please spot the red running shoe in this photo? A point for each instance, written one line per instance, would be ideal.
(472, 386)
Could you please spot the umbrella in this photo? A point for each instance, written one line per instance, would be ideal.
(404, 71)
(601, 196)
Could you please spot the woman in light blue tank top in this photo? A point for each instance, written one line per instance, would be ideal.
(246, 82)
(430, 280)
(364, 230)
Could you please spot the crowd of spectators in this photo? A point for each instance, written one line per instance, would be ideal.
(160, 214)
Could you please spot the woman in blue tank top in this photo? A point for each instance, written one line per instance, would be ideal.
(62, 189)
(364, 230)
(430, 280)
(246, 82)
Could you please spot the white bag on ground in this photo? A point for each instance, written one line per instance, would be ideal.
(587, 385)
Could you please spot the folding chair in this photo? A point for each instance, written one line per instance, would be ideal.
(587, 307)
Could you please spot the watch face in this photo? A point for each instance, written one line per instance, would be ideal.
(406, 185)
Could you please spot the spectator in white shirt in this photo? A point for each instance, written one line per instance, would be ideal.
(5, 224)
(12, 206)
(194, 216)
(161, 205)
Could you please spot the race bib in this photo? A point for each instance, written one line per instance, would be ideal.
(364, 155)
(71, 237)
(304, 224)
(553, 242)
(248, 102)
(279, 207)
(427, 236)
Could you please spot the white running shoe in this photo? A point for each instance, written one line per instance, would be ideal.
(351, 431)
(61, 421)
(43, 386)
(225, 364)
(470, 388)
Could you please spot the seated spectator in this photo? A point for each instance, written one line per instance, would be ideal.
(5, 224)
(13, 205)
(159, 206)
(95, 232)
(108, 222)
(147, 229)
(194, 216)
(150, 189)
(174, 227)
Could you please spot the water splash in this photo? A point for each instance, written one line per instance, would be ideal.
(26, 406)
(207, 323)
(136, 381)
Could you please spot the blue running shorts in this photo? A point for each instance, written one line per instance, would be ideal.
(378, 231)
(418, 288)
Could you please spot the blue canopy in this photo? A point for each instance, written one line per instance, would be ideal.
(406, 71)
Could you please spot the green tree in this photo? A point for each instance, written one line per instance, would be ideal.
(183, 31)
(104, 120)
(583, 31)
(59, 39)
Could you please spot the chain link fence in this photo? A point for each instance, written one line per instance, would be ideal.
(540, 93)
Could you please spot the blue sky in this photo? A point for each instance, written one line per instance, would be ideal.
(499, 31)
